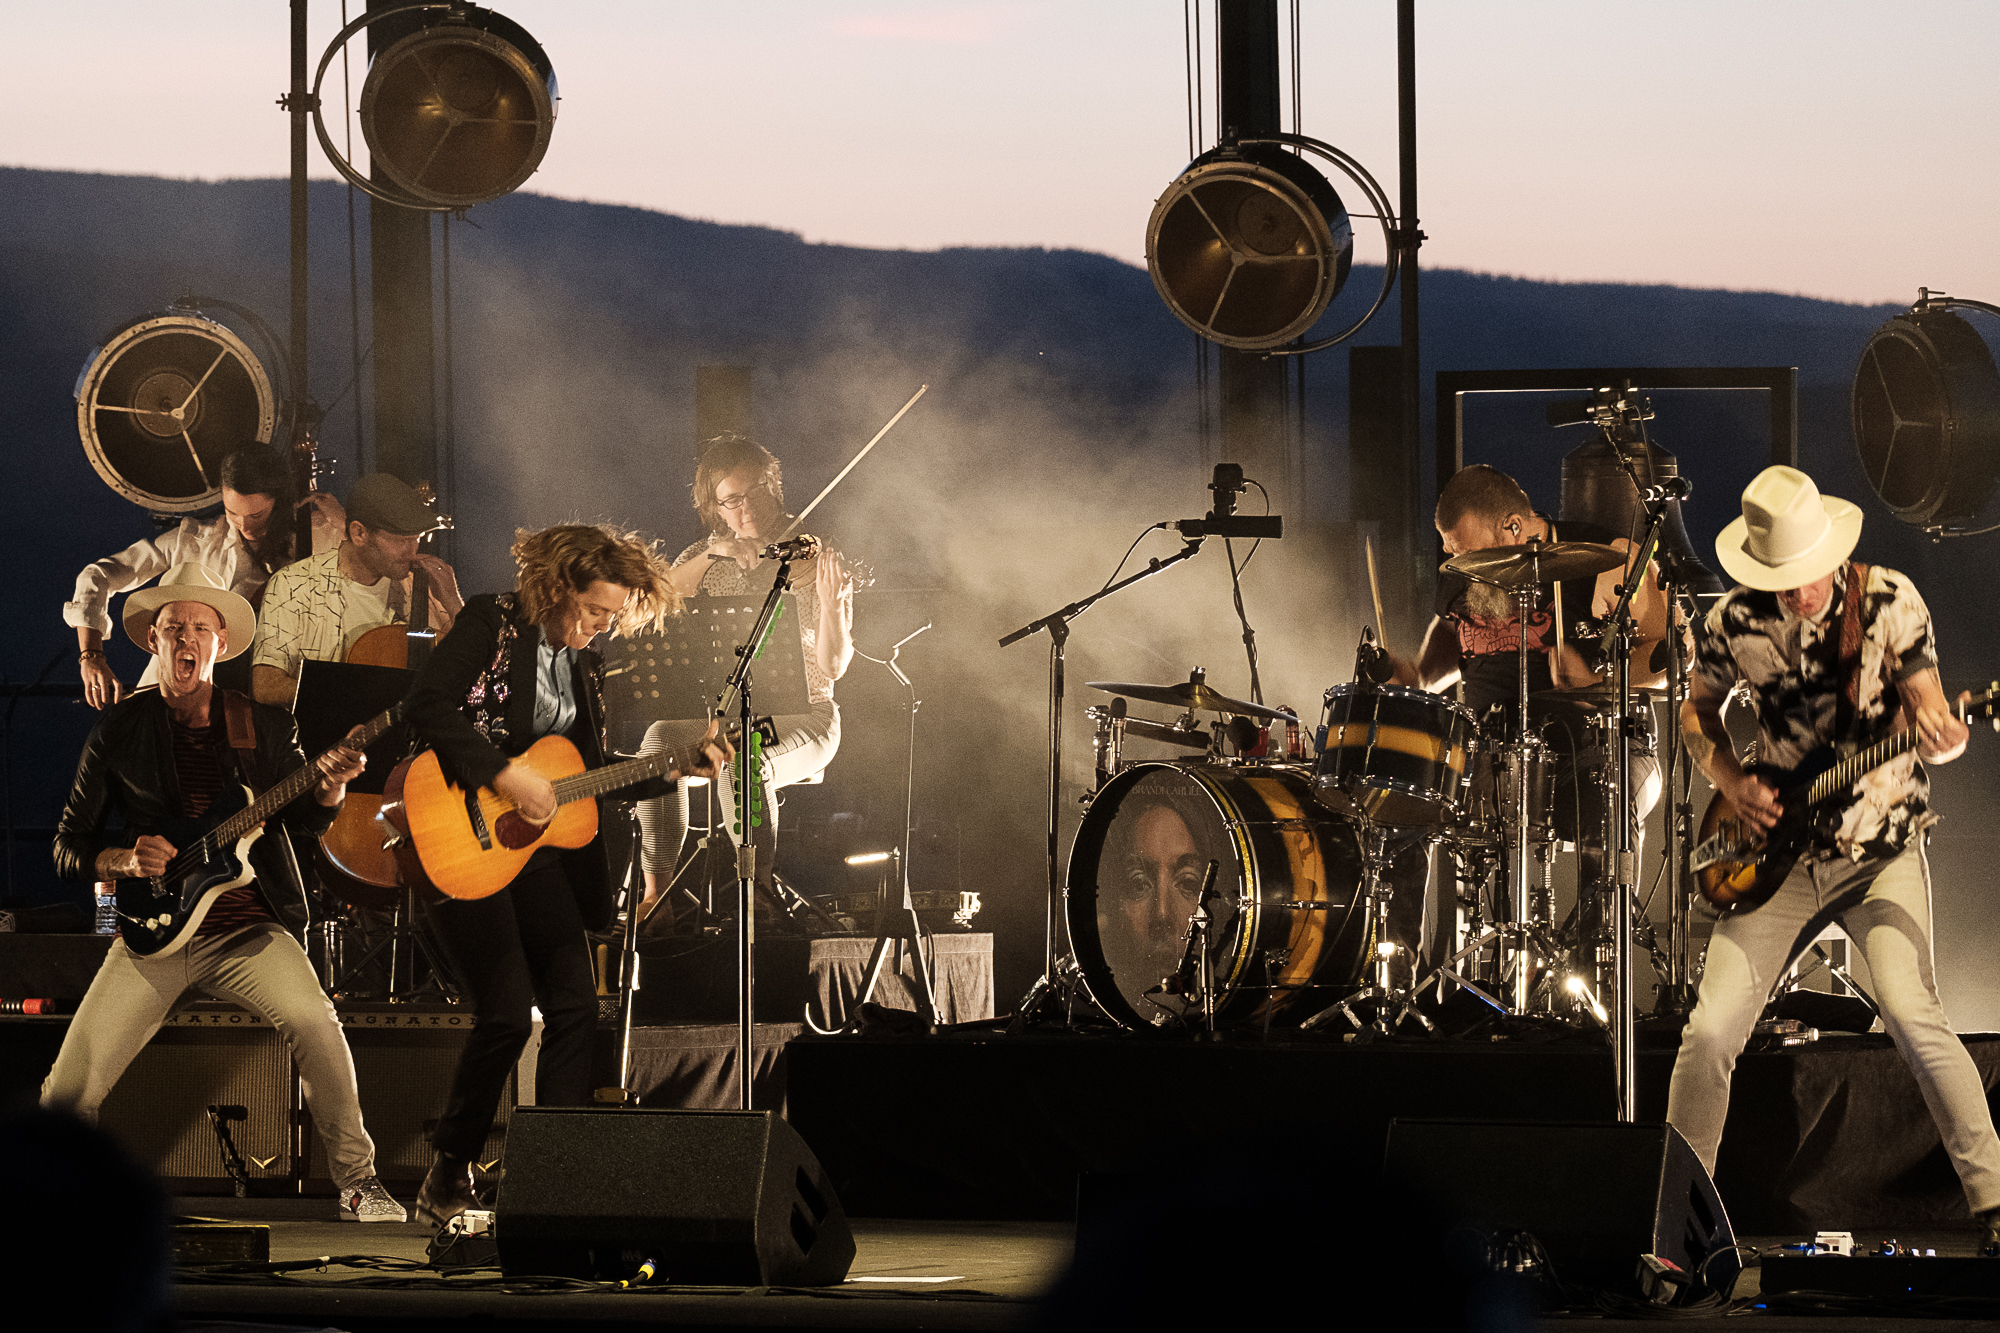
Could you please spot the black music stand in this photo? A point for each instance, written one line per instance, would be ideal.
(679, 674)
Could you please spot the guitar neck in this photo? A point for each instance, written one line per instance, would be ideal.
(631, 772)
(1850, 770)
(289, 788)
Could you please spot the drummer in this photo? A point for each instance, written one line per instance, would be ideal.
(1475, 640)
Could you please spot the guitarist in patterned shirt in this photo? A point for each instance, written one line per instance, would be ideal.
(1831, 651)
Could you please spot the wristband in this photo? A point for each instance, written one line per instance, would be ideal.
(89, 652)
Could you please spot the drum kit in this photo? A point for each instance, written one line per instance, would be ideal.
(1253, 877)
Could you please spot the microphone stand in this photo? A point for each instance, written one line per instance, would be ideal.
(750, 784)
(1624, 876)
(1057, 624)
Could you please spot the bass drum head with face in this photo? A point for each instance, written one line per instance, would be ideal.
(1136, 871)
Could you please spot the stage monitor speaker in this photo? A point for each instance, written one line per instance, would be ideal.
(727, 1198)
(1597, 1196)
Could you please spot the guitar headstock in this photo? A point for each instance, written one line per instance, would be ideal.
(1985, 706)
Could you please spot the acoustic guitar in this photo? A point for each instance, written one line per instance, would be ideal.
(472, 844)
(1737, 869)
(159, 915)
(354, 844)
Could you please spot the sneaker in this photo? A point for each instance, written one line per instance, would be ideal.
(369, 1202)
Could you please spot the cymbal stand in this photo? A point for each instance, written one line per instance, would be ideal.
(1676, 984)
(1524, 748)
(1055, 979)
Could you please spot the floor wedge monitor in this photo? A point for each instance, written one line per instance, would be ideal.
(725, 1198)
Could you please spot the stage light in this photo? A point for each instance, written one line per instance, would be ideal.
(165, 399)
(457, 110)
(1249, 245)
(1926, 414)
(868, 858)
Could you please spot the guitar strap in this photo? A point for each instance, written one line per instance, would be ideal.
(240, 721)
(1849, 660)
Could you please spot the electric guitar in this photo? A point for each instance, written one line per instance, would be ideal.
(160, 914)
(1737, 869)
(472, 844)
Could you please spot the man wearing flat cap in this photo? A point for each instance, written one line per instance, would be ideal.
(166, 755)
(317, 608)
(1831, 651)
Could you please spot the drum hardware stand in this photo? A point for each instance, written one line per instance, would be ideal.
(1375, 857)
(1057, 624)
(891, 924)
(1676, 996)
(1194, 950)
(402, 926)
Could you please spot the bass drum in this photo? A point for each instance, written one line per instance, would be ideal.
(1288, 911)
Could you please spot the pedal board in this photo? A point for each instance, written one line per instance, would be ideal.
(1888, 1278)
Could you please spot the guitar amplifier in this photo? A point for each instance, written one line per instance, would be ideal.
(216, 1054)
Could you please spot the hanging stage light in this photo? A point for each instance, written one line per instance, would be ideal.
(457, 110)
(165, 400)
(1926, 411)
(1249, 245)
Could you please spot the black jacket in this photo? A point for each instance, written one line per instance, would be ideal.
(126, 785)
(436, 711)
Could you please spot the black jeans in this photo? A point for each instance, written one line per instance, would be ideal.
(523, 946)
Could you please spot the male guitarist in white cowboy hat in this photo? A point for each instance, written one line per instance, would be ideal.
(1831, 651)
(163, 755)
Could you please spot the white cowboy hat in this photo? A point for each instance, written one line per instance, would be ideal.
(1790, 535)
(192, 583)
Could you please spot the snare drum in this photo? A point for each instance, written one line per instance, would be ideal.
(1288, 910)
(1395, 755)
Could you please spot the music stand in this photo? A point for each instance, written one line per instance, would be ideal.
(679, 674)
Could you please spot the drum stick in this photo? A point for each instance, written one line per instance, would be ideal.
(1375, 591)
(1556, 663)
(921, 390)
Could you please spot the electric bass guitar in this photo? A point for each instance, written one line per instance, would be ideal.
(472, 844)
(160, 914)
(1737, 869)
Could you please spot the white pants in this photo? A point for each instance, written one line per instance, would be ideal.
(806, 744)
(1885, 907)
(259, 967)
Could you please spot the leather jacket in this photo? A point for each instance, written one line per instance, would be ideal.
(126, 784)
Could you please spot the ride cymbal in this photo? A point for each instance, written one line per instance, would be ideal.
(1193, 693)
(1534, 563)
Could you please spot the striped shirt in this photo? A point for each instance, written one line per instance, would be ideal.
(198, 764)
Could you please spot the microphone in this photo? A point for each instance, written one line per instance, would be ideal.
(1370, 662)
(1673, 488)
(1227, 484)
(798, 548)
(1267, 525)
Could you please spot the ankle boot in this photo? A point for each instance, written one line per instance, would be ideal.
(447, 1190)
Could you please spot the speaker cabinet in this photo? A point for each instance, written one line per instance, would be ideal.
(1597, 1196)
(729, 1198)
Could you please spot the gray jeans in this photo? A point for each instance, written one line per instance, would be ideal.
(1884, 905)
(259, 967)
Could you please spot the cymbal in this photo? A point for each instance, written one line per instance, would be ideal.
(1527, 566)
(1145, 728)
(1192, 693)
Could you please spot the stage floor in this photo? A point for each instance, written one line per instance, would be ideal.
(953, 1275)
(906, 1274)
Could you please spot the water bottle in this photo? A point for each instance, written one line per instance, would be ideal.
(107, 908)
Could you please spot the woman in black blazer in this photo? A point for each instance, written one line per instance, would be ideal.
(517, 667)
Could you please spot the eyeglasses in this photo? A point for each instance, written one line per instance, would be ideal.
(739, 500)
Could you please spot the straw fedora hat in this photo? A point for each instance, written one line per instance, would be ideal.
(192, 583)
(1789, 535)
